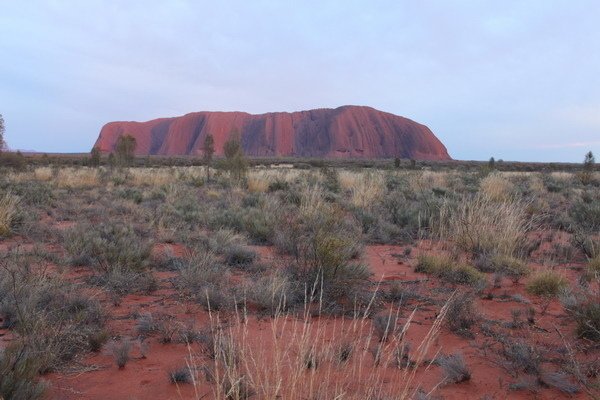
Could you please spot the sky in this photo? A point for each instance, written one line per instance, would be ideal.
(516, 80)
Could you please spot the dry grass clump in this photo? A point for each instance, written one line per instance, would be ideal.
(562, 176)
(263, 180)
(547, 283)
(364, 187)
(455, 368)
(368, 189)
(81, 177)
(151, 176)
(9, 208)
(481, 225)
(258, 182)
(121, 353)
(496, 187)
(44, 174)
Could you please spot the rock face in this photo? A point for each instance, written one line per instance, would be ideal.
(344, 132)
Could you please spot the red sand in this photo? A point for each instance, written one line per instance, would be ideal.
(144, 378)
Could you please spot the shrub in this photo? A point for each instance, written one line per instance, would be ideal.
(34, 193)
(120, 352)
(325, 244)
(593, 265)
(505, 265)
(586, 212)
(107, 246)
(203, 279)
(523, 357)
(18, 374)
(9, 206)
(449, 271)
(547, 284)
(240, 256)
(462, 313)
(455, 368)
(132, 194)
(481, 225)
(385, 326)
(52, 318)
(122, 282)
(560, 381)
(274, 293)
(587, 317)
(180, 375)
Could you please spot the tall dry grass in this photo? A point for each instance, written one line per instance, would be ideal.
(481, 224)
(300, 358)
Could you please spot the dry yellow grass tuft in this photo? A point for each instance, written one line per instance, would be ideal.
(365, 187)
(43, 174)
(258, 181)
(77, 178)
(496, 187)
(152, 176)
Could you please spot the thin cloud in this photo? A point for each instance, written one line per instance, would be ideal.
(568, 145)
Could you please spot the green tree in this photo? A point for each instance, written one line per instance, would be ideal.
(235, 160)
(125, 150)
(587, 173)
(208, 149)
(95, 157)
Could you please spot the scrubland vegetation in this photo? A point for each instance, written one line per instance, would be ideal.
(298, 282)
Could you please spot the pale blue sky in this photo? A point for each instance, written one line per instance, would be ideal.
(517, 80)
